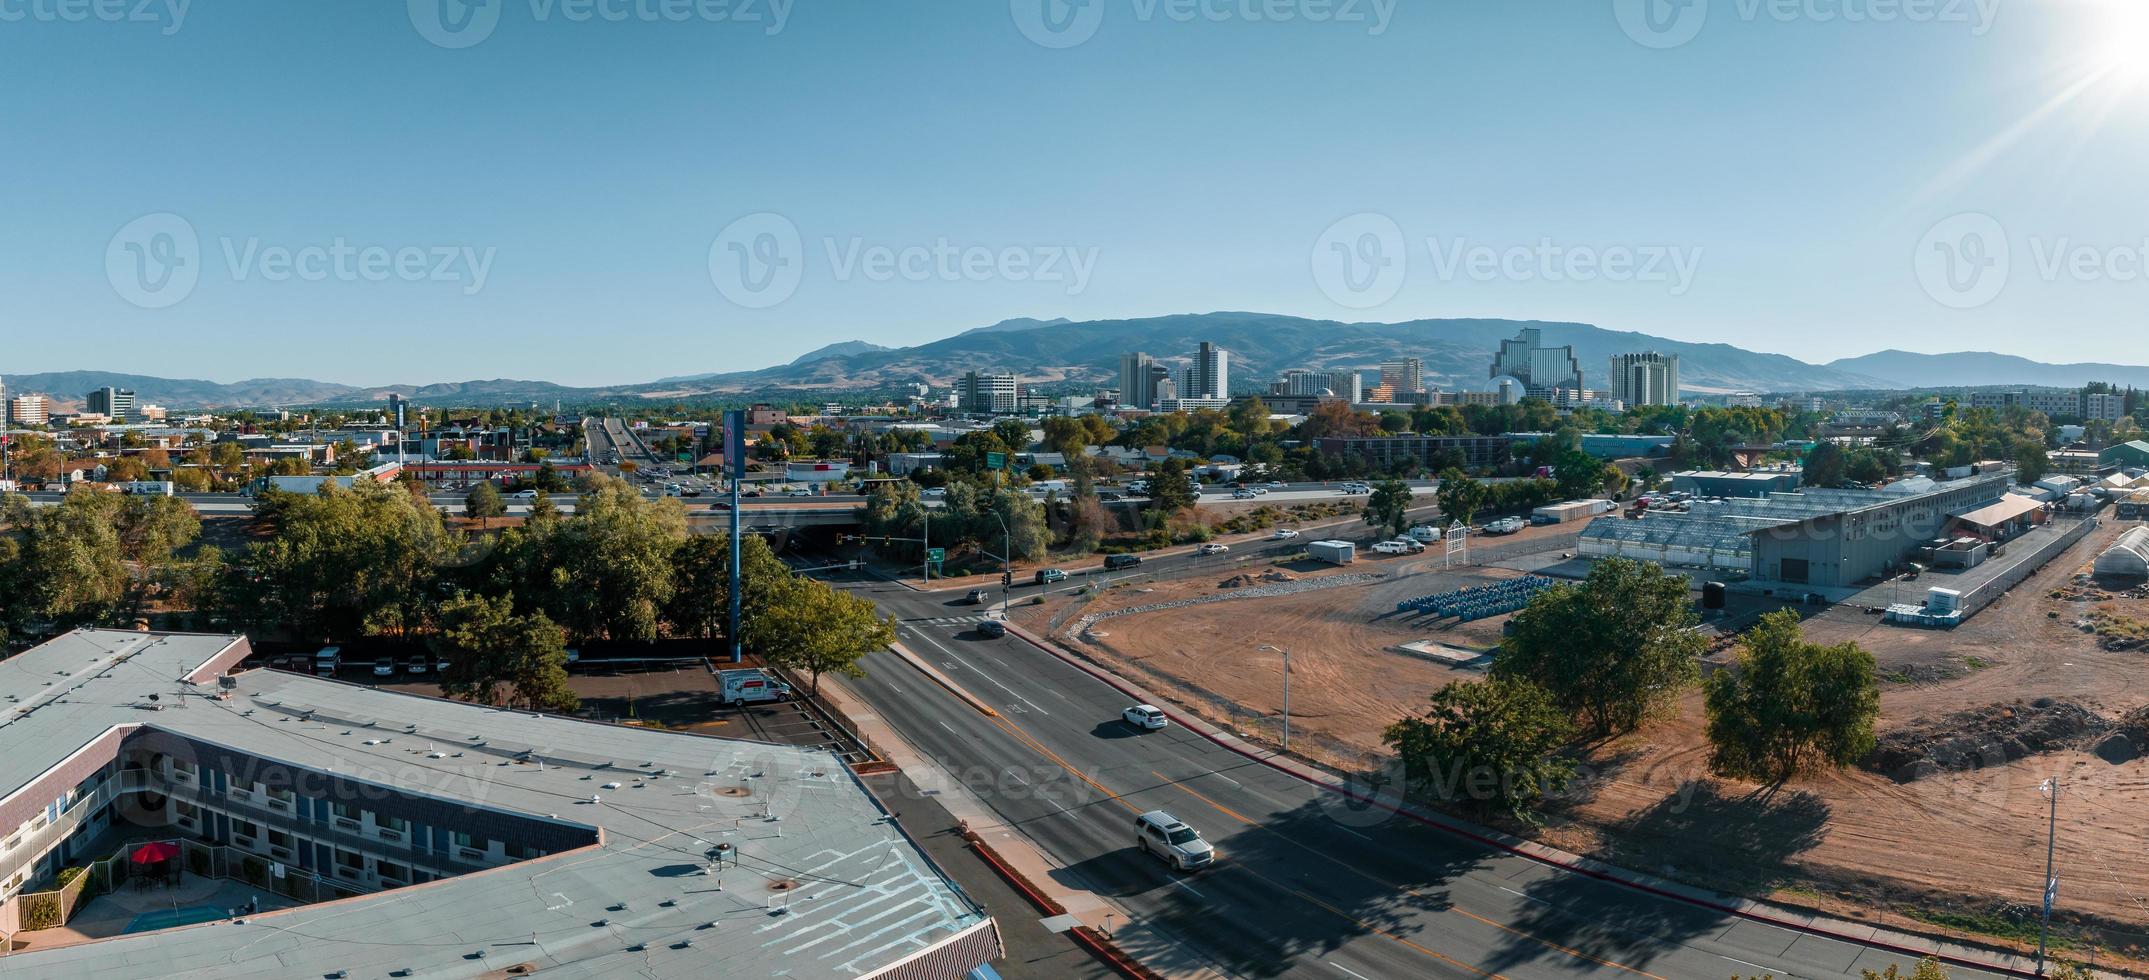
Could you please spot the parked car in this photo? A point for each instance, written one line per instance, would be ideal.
(326, 660)
(1047, 576)
(417, 664)
(1283, 534)
(384, 667)
(1145, 717)
(1167, 837)
(976, 597)
(1116, 562)
(1214, 549)
(1390, 548)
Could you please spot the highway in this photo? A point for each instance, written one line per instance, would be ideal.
(1308, 884)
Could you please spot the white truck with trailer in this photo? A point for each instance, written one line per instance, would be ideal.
(147, 488)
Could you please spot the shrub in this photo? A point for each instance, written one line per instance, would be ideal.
(40, 911)
(67, 876)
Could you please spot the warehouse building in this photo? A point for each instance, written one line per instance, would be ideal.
(390, 835)
(2126, 455)
(1820, 537)
(1716, 483)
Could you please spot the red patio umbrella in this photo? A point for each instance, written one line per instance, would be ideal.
(154, 851)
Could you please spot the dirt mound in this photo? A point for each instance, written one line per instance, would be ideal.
(1238, 582)
(1993, 735)
(1278, 575)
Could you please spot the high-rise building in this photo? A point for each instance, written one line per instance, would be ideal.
(1293, 381)
(1646, 379)
(1305, 381)
(991, 394)
(1137, 380)
(28, 410)
(1403, 376)
(1210, 375)
(114, 403)
(2109, 407)
(1538, 367)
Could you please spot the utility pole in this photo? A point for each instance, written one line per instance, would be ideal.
(2050, 788)
(735, 459)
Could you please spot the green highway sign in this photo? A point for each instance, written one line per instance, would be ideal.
(936, 555)
(996, 461)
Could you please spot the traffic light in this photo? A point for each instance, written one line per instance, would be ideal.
(1007, 578)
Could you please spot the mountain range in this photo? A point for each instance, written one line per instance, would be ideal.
(1455, 352)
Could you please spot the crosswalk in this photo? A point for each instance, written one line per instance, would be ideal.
(948, 621)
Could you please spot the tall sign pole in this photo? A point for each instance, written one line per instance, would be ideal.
(735, 461)
(2044, 924)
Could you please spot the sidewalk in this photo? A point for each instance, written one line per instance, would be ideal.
(1023, 855)
(1908, 944)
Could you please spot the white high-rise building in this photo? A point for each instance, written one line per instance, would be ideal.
(1210, 375)
(993, 394)
(1646, 379)
(1538, 367)
(1403, 376)
(28, 410)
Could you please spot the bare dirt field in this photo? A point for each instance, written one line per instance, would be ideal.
(2019, 694)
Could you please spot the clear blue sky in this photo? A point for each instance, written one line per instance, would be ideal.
(1798, 163)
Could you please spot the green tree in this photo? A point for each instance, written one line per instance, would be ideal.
(1169, 490)
(484, 503)
(342, 562)
(810, 626)
(1825, 465)
(1389, 506)
(1612, 651)
(2031, 462)
(700, 604)
(1579, 475)
(1788, 706)
(1490, 746)
(611, 563)
(1460, 496)
(490, 651)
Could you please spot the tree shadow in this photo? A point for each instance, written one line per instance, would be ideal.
(1743, 844)
(1299, 884)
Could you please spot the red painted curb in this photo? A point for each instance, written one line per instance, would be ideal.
(1083, 936)
(1117, 684)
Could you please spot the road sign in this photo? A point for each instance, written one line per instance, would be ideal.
(996, 461)
(936, 555)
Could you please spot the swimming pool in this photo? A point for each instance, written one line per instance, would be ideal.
(172, 918)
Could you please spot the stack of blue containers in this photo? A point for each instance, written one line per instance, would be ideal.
(1480, 602)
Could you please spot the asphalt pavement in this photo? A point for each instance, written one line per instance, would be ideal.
(1309, 884)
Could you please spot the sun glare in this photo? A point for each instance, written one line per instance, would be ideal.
(2120, 41)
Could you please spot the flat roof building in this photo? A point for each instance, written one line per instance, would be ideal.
(437, 838)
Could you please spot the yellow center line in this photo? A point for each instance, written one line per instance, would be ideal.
(1190, 791)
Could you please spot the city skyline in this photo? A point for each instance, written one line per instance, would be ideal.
(335, 230)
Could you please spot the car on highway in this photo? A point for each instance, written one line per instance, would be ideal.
(1145, 717)
(1244, 494)
(1047, 576)
(524, 495)
(1116, 562)
(1277, 485)
(1214, 549)
(976, 597)
(933, 493)
(1283, 534)
(1167, 837)
(992, 628)
(798, 492)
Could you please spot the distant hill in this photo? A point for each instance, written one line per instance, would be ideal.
(1456, 354)
(1905, 369)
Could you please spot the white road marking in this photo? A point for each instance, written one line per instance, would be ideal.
(1346, 969)
(1190, 888)
(1527, 898)
(1017, 775)
(1741, 962)
(921, 634)
(1358, 835)
(943, 724)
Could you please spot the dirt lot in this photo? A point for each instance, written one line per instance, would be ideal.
(1958, 848)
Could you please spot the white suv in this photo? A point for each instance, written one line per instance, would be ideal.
(1181, 846)
(1145, 717)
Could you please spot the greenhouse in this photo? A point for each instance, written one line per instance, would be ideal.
(2129, 558)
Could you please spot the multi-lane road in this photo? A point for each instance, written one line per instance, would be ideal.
(1309, 884)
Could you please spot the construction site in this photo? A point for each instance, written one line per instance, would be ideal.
(1942, 828)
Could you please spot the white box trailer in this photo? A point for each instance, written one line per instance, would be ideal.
(1333, 552)
(1572, 510)
(750, 686)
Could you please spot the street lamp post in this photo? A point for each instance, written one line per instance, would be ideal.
(1286, 692)
(1007, 549)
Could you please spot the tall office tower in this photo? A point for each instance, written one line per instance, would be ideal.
(991, 394)
(1294, 381)
(1210, 376)
(28, 410)
(1538, 367)
(1137, 380)
(1162, 385)
(115, 403)
(1646, 379)
(1403, 376)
